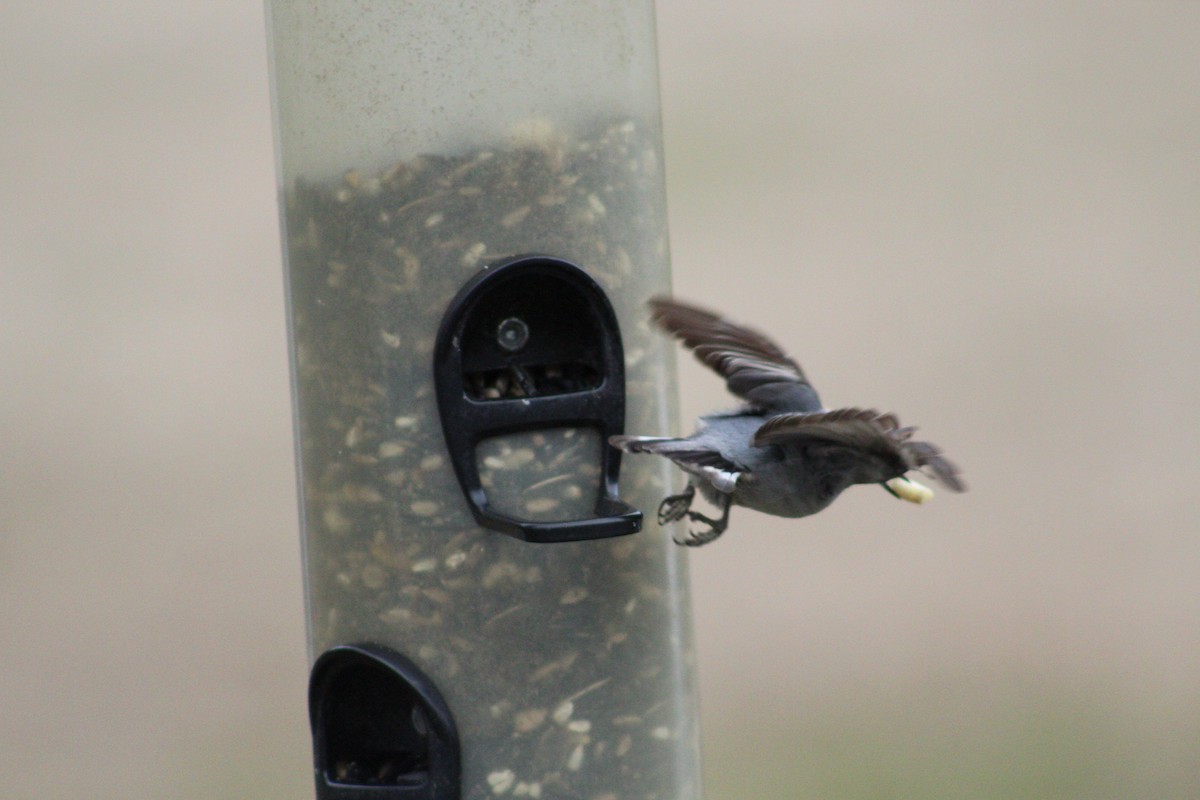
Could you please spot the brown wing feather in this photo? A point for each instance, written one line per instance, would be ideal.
(865, 430)
(753, 366)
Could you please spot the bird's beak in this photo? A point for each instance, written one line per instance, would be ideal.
(909, 490)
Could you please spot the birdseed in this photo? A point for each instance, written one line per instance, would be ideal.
(515, 635)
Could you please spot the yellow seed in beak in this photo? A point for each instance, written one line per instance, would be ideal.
(909, 490)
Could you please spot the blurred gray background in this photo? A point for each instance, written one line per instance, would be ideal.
(985, 217)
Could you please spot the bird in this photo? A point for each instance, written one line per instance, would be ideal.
(781, 452)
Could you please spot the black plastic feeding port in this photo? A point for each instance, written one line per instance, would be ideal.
(533, 344)
(380, 728)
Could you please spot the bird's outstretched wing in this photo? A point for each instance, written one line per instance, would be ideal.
(754, 367)
(877, 437)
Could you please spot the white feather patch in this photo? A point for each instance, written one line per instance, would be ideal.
(721, 480)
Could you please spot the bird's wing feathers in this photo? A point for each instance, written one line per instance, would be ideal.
(754, 367)
(865, 431)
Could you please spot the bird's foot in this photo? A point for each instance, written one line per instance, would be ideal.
(715, 526)
(672, 508)
(696, 538)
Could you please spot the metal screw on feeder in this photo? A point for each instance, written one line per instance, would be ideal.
(481, 621)
(512, 334)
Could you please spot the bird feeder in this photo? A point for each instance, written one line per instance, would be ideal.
(473, 214)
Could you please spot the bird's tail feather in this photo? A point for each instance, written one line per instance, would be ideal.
(642, 444)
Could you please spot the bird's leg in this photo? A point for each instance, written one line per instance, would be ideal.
(672, 508)
(715, 526)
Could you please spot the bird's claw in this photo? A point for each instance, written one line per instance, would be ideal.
(674, 507)
(677, 506)
(701, 537)
(696, 538)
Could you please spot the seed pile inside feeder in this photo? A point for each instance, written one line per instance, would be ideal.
(567, 666)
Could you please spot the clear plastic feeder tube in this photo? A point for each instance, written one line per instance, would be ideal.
(419, 143)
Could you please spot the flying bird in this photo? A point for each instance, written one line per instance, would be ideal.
(782, 452)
